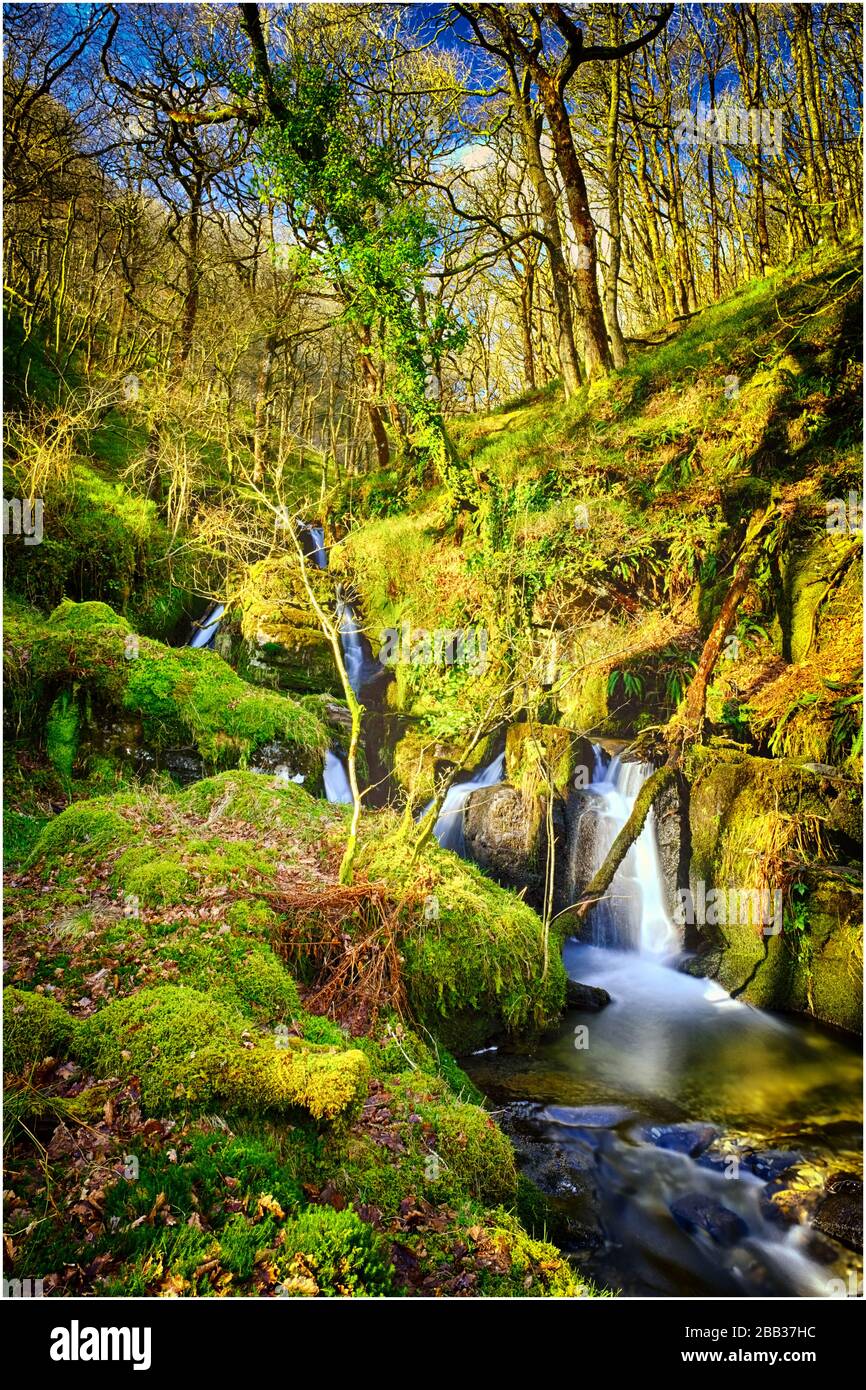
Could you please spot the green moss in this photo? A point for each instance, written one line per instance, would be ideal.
(183, 695)
(87, 617)
(192, 1052)
(439, 1148)
(156, 883)
(87, 831)
(761, 824)
(34, 1027)
(334, 1253)
(62, 734)
(259, 802)
(478, 969)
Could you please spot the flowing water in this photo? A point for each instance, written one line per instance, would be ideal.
(662, 1124)
(632, 913)
(337, 788)
(204, 632)
(449, 826)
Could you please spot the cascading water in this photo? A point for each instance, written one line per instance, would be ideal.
(336, 780)
(203, 633)
(449, 826)
(632, 913)
(318, 553)
(353, 647)
(337, 788)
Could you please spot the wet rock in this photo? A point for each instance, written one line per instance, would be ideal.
(695, 1211)
(505, 835)
(672, 839)
(769, 1164)
(184, 765)
(588, 1116)
(840, 1211)
(586, 997)
(690, 1140)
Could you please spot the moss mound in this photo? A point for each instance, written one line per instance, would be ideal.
(191, 1052)
(477, 969)
(84, 664)
(34, 1027)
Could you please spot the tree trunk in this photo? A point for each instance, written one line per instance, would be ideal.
(566, 350)
(597, 351)
(611, 286)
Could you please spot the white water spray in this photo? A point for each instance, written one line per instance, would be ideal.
(449, 827)
(633, 912)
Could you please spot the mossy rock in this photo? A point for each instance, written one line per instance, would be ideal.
(34, 1027)
(184, 696)
(87, 617)
(747, 817)
(477, 970)
(260, 802)
(533, 750)
(418, 758)
(191, 1052)
(438, 1148)
(87, 830)
(286, 647)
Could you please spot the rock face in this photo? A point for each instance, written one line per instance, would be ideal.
(284, 646)
(840, 1213)
(798, 950)
(672, 838)
(506, 836)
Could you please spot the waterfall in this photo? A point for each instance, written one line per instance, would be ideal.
(449, 827)
(632, 914)
(337, 787)
(318, 554)
(353, 647)
(203, 633)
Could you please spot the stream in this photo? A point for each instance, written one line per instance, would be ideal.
(662, 1124)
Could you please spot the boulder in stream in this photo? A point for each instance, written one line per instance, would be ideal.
(585, 997)
(695, 1211)
(505, 835)
(840, 1212)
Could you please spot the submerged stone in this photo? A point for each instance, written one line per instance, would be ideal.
(587, 997)
(690, 1140)
(695, 1211)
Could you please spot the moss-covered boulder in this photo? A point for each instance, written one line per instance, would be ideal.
(774, 919)
(34, 1027)
(84, 662)
(476, 965)
(285, 646)
(506, 834)
(191, 1052)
